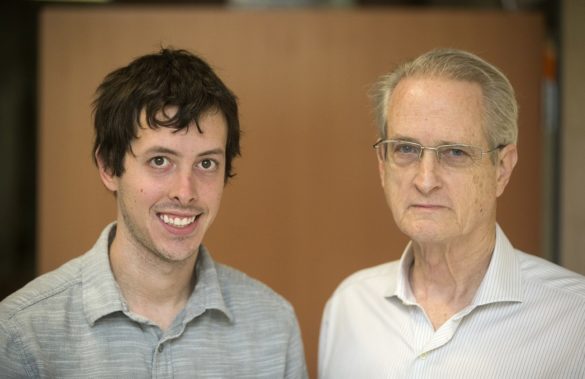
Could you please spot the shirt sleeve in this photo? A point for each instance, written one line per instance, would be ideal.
(323, 340)
(296, 366)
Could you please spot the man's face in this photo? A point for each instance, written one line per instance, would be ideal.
(170, 191)
(431, 202)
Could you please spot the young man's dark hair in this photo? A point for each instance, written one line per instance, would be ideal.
(149, 84)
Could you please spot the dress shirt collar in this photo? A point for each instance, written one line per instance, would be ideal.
(401, 287)
(101, 295)
(501, 283)
(503, 279)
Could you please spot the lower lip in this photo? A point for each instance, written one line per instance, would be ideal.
(180, 231)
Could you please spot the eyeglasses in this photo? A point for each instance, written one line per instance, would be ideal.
(404, 153)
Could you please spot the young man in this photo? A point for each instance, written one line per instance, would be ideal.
(148, 300)
(461, 302)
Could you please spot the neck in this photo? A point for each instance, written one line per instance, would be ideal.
(152, 287)
(445, 277)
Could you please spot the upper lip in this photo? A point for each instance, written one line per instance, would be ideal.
(179, 214)
(427, 205)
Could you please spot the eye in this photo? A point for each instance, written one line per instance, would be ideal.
(159, 162)
(208, 164)
(406, 148)
(456, 152)
(456, 155)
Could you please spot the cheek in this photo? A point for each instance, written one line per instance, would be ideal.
(217, 195)
(478, 185)
(148, 193)
(395, 189)
(482, 193)
(212, 191)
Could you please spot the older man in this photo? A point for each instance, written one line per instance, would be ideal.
(461, 301)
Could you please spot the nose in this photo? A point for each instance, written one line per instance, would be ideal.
(184, 187)
(427, 179)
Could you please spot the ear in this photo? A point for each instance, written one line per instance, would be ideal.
(106, 175)
(507, 158)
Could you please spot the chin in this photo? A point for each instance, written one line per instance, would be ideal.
(174, 253)
(426, 231)
(176, 257)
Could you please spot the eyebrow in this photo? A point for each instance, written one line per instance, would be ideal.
(166, 150)
(404, 138)
(217, 151)
(410, 139)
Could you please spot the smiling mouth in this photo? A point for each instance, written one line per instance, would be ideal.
(177, 222)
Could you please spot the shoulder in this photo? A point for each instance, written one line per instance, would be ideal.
(49, 290)
(242, 292)
(264, 319)
(376, 278)
(538, 273)
(57, 290)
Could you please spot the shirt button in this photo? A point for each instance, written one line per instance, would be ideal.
(423, 356)
(161, 347)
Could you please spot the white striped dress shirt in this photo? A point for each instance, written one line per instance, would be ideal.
(527, 320)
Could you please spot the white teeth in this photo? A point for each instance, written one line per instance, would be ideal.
(177, 221)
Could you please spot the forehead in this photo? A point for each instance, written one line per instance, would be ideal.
(213, 135)
(437, 110)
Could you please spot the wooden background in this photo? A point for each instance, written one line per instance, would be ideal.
(306, 208)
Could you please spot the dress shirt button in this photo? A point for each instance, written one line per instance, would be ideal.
(423, 356)
(161, 347)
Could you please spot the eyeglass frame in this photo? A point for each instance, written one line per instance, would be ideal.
(436, 150)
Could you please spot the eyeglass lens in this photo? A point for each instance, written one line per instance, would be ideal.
(403, 153)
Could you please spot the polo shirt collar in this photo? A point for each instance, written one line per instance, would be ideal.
(207, 293)
(501, 283)
(101, 295)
